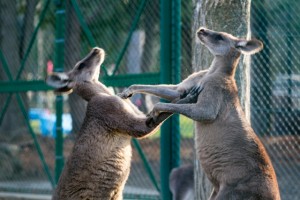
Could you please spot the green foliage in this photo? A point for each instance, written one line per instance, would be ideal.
(186, 128)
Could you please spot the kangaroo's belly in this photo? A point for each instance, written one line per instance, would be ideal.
(95, 171)
(234, 157)
(229, 153)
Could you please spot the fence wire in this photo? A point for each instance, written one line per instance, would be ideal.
(129, 33)
(275, 88)
(275, 84)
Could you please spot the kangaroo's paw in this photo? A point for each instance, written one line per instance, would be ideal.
(125, 94)
(150, 122)
(191, 96)
(196, 90)
(152, 118)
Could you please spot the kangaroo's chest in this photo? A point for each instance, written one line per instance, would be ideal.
(96, 166)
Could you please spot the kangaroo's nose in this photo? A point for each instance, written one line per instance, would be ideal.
(97, 50)
(201, 31)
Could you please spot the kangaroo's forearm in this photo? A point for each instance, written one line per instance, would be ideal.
(167, 92)
(137, 127)
(193, 111)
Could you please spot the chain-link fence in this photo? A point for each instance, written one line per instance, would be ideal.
(129, 31)
(275, 88)
(27, 156)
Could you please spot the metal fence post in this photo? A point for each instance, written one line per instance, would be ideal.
(58, 67)
(170, 74)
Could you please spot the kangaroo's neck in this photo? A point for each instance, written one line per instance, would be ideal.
(225, 64)
(87, 90)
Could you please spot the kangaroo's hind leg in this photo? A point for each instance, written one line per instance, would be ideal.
(213, 195)
(231, 193)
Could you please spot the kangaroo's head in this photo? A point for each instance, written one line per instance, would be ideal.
(86, 70)
(221, 43)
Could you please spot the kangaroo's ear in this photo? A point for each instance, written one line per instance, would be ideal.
(60, 81)
(249, 46)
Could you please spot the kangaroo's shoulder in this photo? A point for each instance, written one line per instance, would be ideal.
(191, 80)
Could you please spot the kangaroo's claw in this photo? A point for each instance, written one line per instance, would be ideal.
(125, 94)
(196, 90)
(191, 96)
(152, 118)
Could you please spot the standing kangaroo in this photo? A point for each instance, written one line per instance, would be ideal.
(231, 154)
(99, 164)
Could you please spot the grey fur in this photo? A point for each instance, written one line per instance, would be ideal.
(182, 182)
(99, 164)
(231, 154)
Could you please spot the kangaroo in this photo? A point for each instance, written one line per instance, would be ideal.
(99, 164)
(231, 154)
(182, 182)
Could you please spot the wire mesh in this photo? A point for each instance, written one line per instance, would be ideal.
(275, 84)
(110, 24)
(275, 91)
(22, 169)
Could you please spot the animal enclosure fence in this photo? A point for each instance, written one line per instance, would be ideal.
(275, 88)
(37, 128)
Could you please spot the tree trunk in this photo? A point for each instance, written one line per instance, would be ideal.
(133, 62)
(151, 28)
(72, 55)
(187, 36)
(9, 40)
(233, 17)
(27, 30)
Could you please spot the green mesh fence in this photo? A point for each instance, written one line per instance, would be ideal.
(129, 31)
(27, 157)
(275, 88)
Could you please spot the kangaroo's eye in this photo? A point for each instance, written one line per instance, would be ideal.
(219, 37)
(81, 66)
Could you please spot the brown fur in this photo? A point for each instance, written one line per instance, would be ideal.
(182, 182)
(231, 154)
(99, 164)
